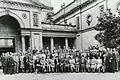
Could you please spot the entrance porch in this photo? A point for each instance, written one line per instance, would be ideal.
(52, 42)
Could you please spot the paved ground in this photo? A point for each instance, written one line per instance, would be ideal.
(64, 76)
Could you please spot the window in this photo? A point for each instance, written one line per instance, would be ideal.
(77, 22)
(35, 19)
(101, 10)
(7, 43)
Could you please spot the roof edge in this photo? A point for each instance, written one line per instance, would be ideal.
(65, 7)
(38, 5)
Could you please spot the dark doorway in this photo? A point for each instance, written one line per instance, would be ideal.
(59, 42)
(27, 42)
(46, 42)
(71, 42)
(7, 45)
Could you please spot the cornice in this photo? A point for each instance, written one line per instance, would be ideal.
(86, 30)
(58, 34)
(79, 7)
(32, 5)
(67, 31)
(59, 24)
(31, 29)
(65, 7)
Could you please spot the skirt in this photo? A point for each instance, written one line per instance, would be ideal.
(93, 66)
(22, 65)
(99, 65)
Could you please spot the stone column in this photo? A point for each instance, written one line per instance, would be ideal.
(23, 43)
(32, 45)
(52, 43)
(41, 41)
(66, 42)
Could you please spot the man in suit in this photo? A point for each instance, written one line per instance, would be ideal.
(11, 63)
(56, 64)
(16, 59)
(2, 61)
(111, 57)
(5, 63)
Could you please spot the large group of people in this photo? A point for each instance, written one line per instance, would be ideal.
(60, 60)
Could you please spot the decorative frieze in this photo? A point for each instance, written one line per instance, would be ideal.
(18, 5)
(25, 6)
(35, 19)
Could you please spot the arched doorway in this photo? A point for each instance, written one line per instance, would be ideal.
(10, 36)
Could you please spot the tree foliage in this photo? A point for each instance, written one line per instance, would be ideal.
(109, 27)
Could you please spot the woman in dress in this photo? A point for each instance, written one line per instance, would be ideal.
(72, 64)
(99, 64)
(88, 64)
(22, 63)
(93, 64)
(47, 64)
(77, 64)
(37, 64)
(83, 63)
(52, 65)
(42, 63)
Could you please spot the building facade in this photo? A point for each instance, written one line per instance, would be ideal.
(84, 14)
(23, 24)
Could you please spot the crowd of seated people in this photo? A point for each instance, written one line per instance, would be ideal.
(59, 61)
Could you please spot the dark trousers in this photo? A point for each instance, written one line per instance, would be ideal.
(56, 68)
(11, 70)
(83, 69)
(25, 67)
(67, 68)
(111, 67)
(62, 68)
(5, 69)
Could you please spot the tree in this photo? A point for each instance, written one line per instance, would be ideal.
(109, 27)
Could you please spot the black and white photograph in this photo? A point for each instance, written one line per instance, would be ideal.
(59, 39)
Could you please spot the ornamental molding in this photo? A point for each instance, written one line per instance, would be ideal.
(23, 6)
(89, 19)
(118, 6)
(19, 4)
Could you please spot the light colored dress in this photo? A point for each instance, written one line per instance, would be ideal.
(93, 63)
(34, 58)
(52, 63)
(43, 62)
(0, 63)
(99, 63)
(72, 62)
(21, 62)
(88, 63)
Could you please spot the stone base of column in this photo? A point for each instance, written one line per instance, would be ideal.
(23, 44)
(66, 42)
(52, 44)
